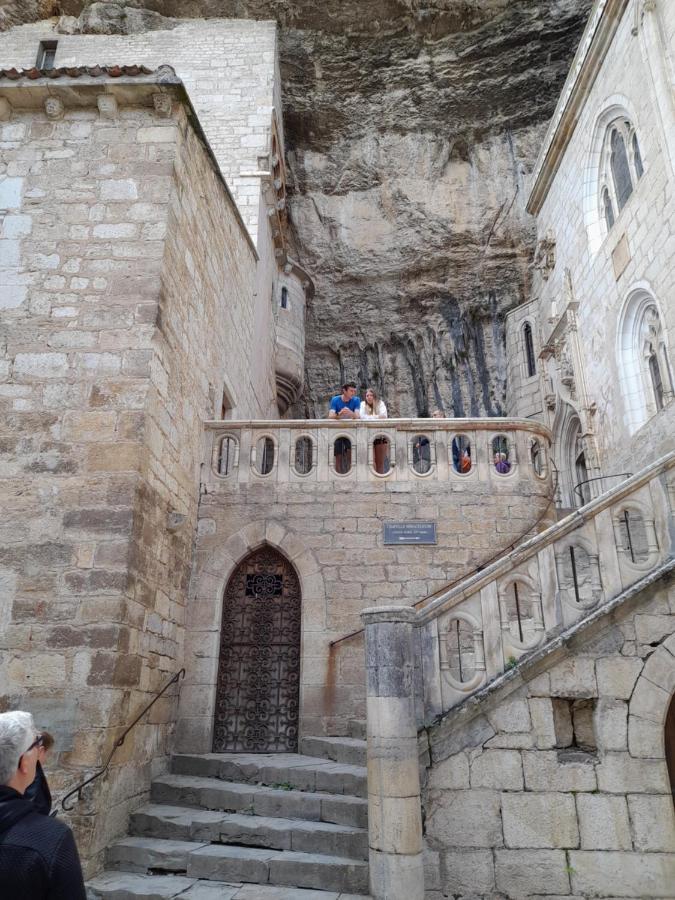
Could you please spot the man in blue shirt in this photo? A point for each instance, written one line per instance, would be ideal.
(345, 405)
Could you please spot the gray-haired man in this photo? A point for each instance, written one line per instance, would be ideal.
(38, 856)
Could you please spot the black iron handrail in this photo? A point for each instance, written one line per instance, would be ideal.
(118, 743)
(580, 484)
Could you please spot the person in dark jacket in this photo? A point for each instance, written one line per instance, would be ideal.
(39, 791)
(38, 856)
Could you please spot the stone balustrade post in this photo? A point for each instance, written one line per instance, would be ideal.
(394, 802)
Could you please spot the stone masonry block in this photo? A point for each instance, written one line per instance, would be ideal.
(611, 722)
(467, 871)
(619, 773)
(603, 822)
(615, 874)
(522, 873)
(617, 676)
(645, 738)
(574, 677)
(497, 769)
(544, 772)
(653, 820)
(539, 820)
(513, 715)
(452, 773)
(650, 701)
(478, 812)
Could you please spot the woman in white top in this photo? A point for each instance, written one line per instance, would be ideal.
(371, 407)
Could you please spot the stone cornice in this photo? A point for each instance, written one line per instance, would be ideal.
(595, 42)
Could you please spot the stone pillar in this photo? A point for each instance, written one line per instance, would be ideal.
(394, 802)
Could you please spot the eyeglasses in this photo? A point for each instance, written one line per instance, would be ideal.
(36, 743)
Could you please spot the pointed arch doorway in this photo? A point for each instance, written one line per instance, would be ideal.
(258, 686)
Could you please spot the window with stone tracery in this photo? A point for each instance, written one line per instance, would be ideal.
(621, 167)
(644, 362)
(656, 370)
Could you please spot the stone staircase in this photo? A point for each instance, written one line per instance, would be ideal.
(249, 827)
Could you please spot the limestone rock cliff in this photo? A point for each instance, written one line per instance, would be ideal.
(411, 126)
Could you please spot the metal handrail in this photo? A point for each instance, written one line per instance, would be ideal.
(580, 484)
(118, 743)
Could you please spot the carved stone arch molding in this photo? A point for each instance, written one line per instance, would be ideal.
(650, 712)
(194, 732)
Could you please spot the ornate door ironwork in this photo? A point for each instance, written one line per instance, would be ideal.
(257, 694)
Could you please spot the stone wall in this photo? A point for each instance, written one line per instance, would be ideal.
(228, 67)
(601, 270)
(330, 527)
(556, 783)
(124, 247)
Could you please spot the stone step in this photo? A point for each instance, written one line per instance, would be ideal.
(254, 799)
(184, 824)
(218, 862)
(357, 729)
(129, 886)
(351, 751)
(286, 770)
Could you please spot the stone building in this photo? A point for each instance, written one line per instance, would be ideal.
(308, 582)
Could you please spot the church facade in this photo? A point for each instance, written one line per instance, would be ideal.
(490, 600)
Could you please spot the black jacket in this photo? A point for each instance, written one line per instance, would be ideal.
(39, 792)
(38, 856)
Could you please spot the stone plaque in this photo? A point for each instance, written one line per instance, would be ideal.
(409, 532)
(620, 257)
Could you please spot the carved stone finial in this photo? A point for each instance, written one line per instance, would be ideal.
(107, 106)
(5, 110)
(162, 104)
(54, 108)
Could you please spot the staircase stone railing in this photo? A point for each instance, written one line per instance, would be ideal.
(468, 636)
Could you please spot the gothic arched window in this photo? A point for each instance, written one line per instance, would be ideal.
(644, 365)
(621, 167)
(529, 350)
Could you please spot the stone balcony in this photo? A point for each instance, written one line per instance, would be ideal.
(460, 453)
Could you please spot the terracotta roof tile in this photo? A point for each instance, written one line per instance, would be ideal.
(76, 72)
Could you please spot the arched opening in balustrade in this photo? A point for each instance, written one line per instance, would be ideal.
(501, 454)
(520, 611)
(461, 454)
(636, 535)
(578, 572)
(537, 457)
(461, 650)
(382, 455)
(227, 455)
(258, 683)
(342, 454)
(421, 454)
(303, 460)
(265, 455)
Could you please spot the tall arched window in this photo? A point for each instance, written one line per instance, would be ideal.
(284, 298)
(670, 744)
(529, 350)
(643, 357)
(620, 169)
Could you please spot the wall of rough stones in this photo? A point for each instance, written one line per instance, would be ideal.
(331, 529)
(637, 253)
(125, 249)
(556, 783)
